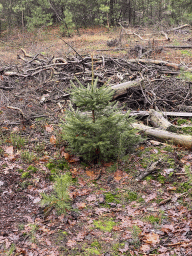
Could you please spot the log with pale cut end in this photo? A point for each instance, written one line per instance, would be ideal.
(157, 120)
(177, 139)
(121, 89)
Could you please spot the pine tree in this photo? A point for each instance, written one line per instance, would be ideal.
(97, 130)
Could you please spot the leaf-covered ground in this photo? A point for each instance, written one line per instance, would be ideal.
(112, 213)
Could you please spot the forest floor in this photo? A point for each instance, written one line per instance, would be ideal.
(111, 212)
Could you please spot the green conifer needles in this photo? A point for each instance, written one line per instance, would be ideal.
(97, 130)
(59, 199)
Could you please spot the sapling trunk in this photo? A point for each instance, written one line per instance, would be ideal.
(93, 115)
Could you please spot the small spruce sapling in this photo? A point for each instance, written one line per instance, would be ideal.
(97, 130)
(59, 199)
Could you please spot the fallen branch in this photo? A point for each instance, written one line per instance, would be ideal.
(160, 62)
(166, 36)
(172, 198)
(72, 48)
(12, 73)
(146, 113)
(15, 108)
(177, 139)
(177, 28)
(179, 47)
(6, 88)
(32, 117)
(152, 167)
(26, 54)
(111, 49)
(139, 37)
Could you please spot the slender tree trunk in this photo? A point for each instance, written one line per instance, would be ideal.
(23, 20)
(111, 13)
(9, 16)
(129, 9)
(151, 12)
(93, 116)
(160, 9)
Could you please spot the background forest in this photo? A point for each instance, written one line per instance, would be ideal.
(72, 14)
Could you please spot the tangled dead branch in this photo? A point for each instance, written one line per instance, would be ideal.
(41, 84)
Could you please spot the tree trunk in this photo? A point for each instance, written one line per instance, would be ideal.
(111, 13)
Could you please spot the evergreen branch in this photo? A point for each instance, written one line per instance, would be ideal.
(60, 197)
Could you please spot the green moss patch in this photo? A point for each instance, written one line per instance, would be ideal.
(104, 225)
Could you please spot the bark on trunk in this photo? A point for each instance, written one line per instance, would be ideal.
(170, 137)
(146, 113)
(121, 89)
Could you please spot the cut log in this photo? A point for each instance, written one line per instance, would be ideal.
(121, 89)
(146, 113)
(170, 137)
(157, 120)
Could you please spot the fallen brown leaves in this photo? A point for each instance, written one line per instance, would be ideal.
(151, 238)
(142, 227)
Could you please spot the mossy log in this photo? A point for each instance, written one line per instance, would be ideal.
(159, 121)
